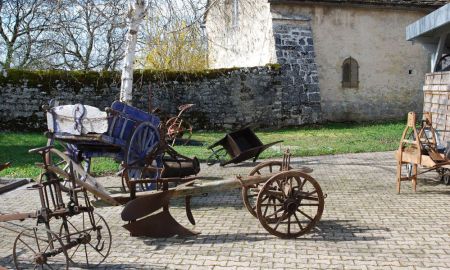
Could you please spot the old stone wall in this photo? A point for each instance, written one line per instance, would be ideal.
(225, 99)
(295, 53)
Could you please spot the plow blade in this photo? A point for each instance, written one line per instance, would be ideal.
(160, 225)
(143, 206)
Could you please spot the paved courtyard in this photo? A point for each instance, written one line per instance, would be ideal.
(365, 224)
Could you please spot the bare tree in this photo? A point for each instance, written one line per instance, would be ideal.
(90, 34)
(22, 24)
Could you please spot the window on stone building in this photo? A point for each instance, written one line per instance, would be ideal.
(350, 76)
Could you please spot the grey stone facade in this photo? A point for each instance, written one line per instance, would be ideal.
(295, 53)
(262, 96)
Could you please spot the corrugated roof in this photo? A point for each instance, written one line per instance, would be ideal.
(399, 3)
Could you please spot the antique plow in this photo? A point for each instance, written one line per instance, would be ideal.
(288, 203)
(81, 237)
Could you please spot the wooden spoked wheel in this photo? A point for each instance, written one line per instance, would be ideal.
(39, 248)
(178, 128)
(250, 193)
(143, 141)
(92, 235)
(290, 204)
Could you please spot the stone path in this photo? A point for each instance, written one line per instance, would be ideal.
(365, 225)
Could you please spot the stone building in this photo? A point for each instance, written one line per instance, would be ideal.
(348, 60)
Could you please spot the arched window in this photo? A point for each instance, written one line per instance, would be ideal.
(350, 76)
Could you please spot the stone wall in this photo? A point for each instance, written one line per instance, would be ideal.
(295, 53)
(224, 99)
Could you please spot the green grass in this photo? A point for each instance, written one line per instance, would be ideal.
(333, 138)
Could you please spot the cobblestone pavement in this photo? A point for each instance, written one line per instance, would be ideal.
(365, 225)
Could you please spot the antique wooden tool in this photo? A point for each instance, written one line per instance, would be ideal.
(420, 147)
(289, 203)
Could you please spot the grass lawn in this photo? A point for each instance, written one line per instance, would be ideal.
(333, 138)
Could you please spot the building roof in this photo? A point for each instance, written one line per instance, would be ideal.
(430, 28)
(433, 4)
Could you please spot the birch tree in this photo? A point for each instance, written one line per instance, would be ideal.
(136, 13)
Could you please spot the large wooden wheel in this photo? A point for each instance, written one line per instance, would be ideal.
(143, 141)
(290, 204)
(179, 128)
(93, 236)
(39, 248)
(250, 193)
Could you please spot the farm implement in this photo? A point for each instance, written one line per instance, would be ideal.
(287, 202)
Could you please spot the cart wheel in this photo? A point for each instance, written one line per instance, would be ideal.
(294, 199)
(143, 141)
(177, 128)
(249, 193)
(93, 238)
(38, 248)
(217, 156)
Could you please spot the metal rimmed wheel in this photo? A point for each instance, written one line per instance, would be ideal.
(143, 141)
(250, 193)
(92, 235)
(290, 204)
(39, 248)
(178, 128)
(217, 156)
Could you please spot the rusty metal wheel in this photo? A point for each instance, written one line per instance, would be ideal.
(39, 248)
(250, 193)
(290, 204)
(93, 238)
(178, 128)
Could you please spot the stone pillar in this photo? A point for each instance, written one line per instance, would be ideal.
(294, 47)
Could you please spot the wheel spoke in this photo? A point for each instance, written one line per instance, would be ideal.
(289, 224)
(298, 221)
(27, 245)
(273, 214)
(97, 250)
(36, 238)
(74, 252)
(87, 258)
(279, 221)
(48, 265)
(306, 215)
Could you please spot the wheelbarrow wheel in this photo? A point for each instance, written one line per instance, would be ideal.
(94, 237)
(178, 128)
(290, 204)
(217, 156)
(143, 141)
(39, 248)
(250, 193)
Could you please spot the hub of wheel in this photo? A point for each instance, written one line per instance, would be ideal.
(291, 205)
(85, 239)
(40, 259)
